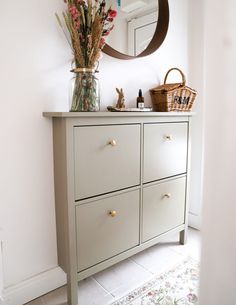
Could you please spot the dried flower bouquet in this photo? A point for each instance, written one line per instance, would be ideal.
(87, 23)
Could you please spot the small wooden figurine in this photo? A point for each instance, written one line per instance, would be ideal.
(121, 99)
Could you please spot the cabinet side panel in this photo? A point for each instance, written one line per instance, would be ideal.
(60, 178)
(183, 234)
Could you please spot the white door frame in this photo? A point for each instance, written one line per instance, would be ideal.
(135, 24)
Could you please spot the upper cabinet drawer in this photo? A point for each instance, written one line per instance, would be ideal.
(165, 150)
(106, 158)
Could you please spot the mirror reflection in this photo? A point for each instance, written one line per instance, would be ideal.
(135, 25)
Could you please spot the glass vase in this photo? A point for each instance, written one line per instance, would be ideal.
(84, 91)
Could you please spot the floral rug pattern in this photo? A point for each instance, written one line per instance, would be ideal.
(178, 286)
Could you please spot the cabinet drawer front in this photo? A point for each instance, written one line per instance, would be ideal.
(101, 236)
(101, 167)
(165, 150)
(163, 207)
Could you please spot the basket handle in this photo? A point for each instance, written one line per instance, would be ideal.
(182, 74)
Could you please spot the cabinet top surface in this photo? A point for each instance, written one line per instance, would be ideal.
(115, 114)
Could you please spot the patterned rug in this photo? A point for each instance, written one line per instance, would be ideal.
(177, 286)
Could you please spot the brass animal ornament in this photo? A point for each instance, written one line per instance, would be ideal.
(121, 99)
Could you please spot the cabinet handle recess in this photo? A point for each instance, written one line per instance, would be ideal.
(112, 143)
(167, 195)
(112, 213)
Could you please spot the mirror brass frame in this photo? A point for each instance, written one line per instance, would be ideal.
(158, 37)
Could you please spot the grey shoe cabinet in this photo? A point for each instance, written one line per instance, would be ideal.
(121, 186)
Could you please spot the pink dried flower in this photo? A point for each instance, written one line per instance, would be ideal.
(102, 42)
(106, 33)
(112, 13)
(77, 24)
(88, 23)
(74, 12)
(111, 28)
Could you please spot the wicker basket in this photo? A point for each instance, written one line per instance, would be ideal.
(173, 97)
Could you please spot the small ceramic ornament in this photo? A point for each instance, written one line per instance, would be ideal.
(121, 99)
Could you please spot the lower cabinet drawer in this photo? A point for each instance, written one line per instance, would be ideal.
(106, 227)
(163, 207)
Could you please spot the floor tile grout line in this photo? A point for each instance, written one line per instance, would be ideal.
(150, 274)
(182, 252)
(177, 251)
(138, 264)
(113, 295)
(143, 269)
(142, 266)
(108, 292)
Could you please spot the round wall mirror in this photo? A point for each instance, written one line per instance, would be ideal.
(140, 28)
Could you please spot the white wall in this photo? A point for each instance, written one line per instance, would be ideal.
(1, 270)
(219, 239)
(147, 72)
(196, 80)
(35, 63)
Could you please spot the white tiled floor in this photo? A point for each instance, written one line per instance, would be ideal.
(104, 287)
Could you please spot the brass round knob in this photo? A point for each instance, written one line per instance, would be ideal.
(112, 213)
(168, 137)
(167, 195)
(112, 143)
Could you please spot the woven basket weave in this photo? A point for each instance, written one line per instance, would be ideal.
(173, 97)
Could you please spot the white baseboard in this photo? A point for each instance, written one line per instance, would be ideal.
(34, 287)
(1, 269)
(194, 221)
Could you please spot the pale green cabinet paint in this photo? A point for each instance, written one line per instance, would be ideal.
(163, 207)
(101, 236)
(101, 167)
(165, 150)
(142, 175)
